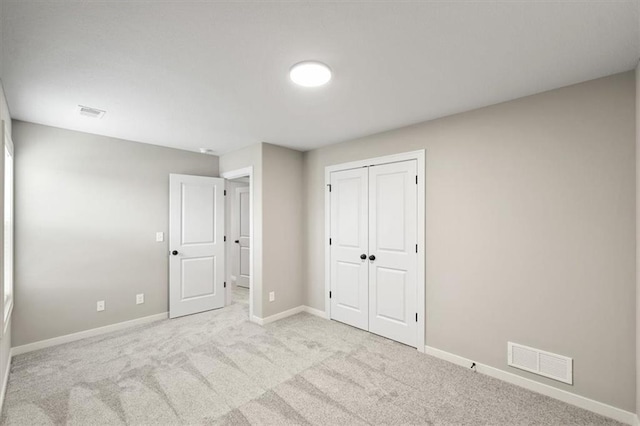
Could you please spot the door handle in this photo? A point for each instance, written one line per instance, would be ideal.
(237, 241)
(175, 252)
(372, 258)
(363, 256)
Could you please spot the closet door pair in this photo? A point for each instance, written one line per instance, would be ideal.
(373, 249)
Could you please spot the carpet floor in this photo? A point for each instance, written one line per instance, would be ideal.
(218, 368)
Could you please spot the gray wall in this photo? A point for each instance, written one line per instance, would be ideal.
(530, 230)
(87, 210)
(278, 240)
(283, 232)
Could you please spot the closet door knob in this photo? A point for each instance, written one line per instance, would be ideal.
(175, 252)
(237, 241)
(363, 256)
(372, 258)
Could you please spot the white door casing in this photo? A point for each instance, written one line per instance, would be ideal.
(393, 246)
(349, 241)
(243, 238)
(196, 244)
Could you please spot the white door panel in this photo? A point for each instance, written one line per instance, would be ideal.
(392, 240)
(349, 229)
(242, 200)
(196, 243)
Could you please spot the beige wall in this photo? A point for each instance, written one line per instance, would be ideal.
(530, 227)
(282, 229)
(87, 210)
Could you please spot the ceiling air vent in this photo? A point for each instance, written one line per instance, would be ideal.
(91, 112)
(557, 367)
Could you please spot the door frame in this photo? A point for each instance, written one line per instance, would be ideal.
(234, 174)
(419, 156)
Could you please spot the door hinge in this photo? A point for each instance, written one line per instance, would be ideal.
(329, 185)
(416, 179)
(225, 238)
(329, 295)
(416, 317)
(329, 241)
(225, 284)
(416, 248)
(225, 192)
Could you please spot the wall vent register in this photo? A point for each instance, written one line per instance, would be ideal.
(547, 364)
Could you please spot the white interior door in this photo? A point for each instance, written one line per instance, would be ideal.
(393, 211)
(243, 237)
(196, 244)
(349, 241)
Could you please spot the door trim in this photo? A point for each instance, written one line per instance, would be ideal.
(419, 156)
(234, 174)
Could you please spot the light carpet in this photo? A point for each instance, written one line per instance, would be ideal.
(218, 368)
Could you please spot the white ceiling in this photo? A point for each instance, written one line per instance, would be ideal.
(191, 74)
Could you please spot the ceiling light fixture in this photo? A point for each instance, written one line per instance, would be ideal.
(207, 151)
(310, 73)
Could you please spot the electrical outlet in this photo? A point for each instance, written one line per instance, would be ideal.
(159, 237)
(272, 296)
(100, 306)
(139, 299)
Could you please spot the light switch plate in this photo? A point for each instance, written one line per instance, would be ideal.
(100, 306)
(272, 296)
(139, 299)
(159, 237)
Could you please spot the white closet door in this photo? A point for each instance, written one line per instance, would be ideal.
(393, 224)
(349, 229)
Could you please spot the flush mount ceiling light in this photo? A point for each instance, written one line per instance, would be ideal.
(207, 151)
(310, 73)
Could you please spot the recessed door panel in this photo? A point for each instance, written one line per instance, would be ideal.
(391, 294)
(196, 246)
(349, 235)
(391, 224)
(348, 294)
(392, 240)
(196, 273)
(198, 217)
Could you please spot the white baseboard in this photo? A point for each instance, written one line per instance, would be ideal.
(5, 380)
(288, 313)
(562, 395)
(86, 333)
(278, 316)
(314, 311)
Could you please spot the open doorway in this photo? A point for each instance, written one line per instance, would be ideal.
(239, 232)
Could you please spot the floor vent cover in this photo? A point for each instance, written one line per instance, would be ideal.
(546, 364)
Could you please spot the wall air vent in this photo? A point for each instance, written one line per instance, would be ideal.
(91, 112)
(536, 361)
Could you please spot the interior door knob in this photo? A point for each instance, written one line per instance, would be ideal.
(237, 241)
(372, 258)
(363, 256)
(175, 252)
